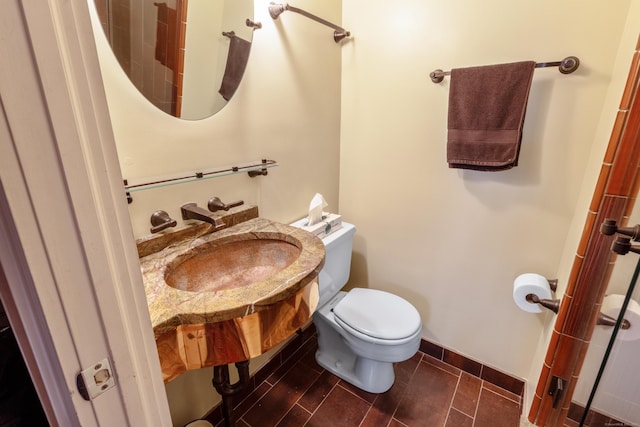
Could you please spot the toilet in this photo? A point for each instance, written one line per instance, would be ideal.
(363, 332)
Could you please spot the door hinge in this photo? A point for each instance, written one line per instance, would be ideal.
(556, 389)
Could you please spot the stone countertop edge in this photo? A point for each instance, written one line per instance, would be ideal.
(170, 307)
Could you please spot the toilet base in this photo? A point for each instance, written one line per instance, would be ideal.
(369, 375)
(337, 356)
(365, 364)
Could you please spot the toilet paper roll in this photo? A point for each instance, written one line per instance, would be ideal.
(530, 283)
(611, 307)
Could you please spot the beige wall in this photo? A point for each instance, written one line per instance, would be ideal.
(452, 241)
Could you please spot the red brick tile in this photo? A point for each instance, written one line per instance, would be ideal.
(502, 392)
(364, 395)
(433, 350)
(243, 406)
(428, 397)
(586, 233)
(573, 276)
(467, 393)
(502, 380)
(280, 399)
(630, 85)
(442, 365)
(319, 391)
(535, 408)
(569, 349)
(496, 411)
(385, 406)
(614, 138)
(296, 417)
(459, 361)
(458, 419)
(404, 370)
(596, 199)
(553, 343)
(340, 408)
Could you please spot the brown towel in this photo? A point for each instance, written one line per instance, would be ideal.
(236, 63)
(486, 114)
(166, 33)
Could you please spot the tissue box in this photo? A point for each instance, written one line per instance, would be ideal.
(330, 223)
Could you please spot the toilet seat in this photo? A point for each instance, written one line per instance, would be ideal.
(378, 316)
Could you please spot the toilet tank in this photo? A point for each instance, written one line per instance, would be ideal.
(337, 265)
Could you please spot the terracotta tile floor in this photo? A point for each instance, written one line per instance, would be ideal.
(427, 393)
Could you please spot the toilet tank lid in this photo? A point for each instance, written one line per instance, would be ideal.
(378, 314)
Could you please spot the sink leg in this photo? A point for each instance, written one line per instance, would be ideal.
(227, 390)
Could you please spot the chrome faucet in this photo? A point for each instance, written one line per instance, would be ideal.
(193, 211)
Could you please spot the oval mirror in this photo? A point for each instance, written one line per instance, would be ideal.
(186, 57)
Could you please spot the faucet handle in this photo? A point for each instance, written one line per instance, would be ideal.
(161, 220)
(215, 204)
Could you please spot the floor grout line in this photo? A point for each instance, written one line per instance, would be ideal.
(367, 413)
(321, 402)
(475, 413)
(354, 394)
(453, 397)
(442, 369)
(500, 394)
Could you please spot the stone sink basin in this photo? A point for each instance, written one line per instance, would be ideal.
(231, 263)
(230, 295)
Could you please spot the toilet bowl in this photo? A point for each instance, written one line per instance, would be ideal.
(363, 332)
(360, 345)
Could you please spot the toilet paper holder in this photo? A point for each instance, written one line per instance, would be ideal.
(606, 320)
(554, 305)
(551, 304)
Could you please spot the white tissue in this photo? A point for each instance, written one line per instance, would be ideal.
(315, 209)
(530, 283)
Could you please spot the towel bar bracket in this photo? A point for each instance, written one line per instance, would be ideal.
(437, 76)
(253, 24)
(567, 66)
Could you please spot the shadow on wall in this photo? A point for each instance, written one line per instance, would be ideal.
(359, 276)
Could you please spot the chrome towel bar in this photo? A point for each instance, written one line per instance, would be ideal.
(275, 9)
